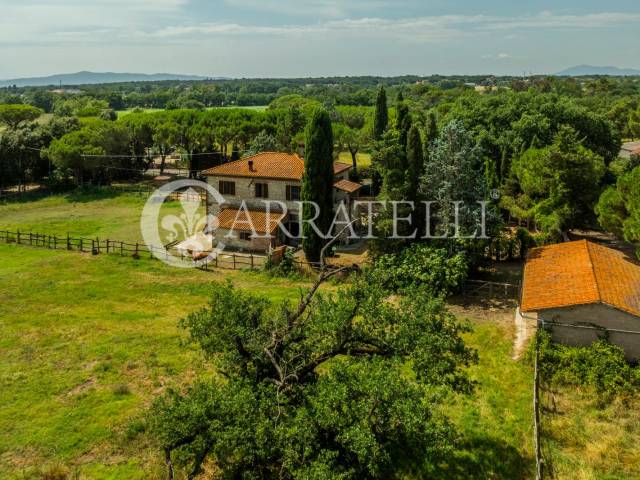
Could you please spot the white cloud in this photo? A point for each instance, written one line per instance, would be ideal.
(130, 22)
(318, 8)
(431, 28)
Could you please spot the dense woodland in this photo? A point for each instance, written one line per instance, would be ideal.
(549, 145)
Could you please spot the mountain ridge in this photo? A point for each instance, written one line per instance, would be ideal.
(585, 70)
(90, 78)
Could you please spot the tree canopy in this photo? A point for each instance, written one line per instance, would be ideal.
(314, 391)
(13, 115)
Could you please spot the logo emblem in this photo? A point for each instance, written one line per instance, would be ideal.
(186, 239)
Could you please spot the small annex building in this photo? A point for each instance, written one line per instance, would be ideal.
(581, 291)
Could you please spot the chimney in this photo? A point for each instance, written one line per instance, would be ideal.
(251, 166)
(301, 149)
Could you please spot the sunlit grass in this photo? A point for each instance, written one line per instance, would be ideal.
(87, 342)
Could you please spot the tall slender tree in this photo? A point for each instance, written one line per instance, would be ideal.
(381, 119)
(431, 129)
(380, 122)
(403, 121)
(415, 163)
(317, 182)
(415, 169)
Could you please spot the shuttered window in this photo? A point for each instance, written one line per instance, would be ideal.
(227, 188)
(293, 192)
(262, 190)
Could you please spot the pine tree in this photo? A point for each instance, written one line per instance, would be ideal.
(381, 119)
(317, 182)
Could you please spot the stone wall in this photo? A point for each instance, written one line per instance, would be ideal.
(579, 322)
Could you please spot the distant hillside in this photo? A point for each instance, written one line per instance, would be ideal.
(586, 70)
(86, 78)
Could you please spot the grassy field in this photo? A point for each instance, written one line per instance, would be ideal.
(104, 215)
(363, 159)
(87, 342)
(258, 108)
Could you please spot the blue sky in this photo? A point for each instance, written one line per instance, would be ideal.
(285, 38)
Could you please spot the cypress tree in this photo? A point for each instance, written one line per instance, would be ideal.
(431, 130)
(403, 121)
(317, 182)
(381, 119)
(505, 166)
(415, 169)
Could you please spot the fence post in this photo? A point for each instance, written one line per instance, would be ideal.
(216, 260)
(234, 260)
(30, 239)
(98, 244)
(137, 249)
(536, 413)
(107, 245)
(252, 261)
(121, 248)
(55, 242)
(68, 242)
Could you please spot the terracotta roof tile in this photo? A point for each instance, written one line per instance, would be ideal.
(347, 186)
(578, 273)
(242, 220)
(339, 167)
(273, 165)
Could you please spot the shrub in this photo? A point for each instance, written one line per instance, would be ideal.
(286, 268)
(425, 266)
(601, 366)
(121, 389)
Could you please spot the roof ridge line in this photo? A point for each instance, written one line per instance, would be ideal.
(593, 270)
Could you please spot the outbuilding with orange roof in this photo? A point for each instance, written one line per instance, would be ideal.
(582, 291)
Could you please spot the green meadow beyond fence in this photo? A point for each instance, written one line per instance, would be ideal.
(97, 246)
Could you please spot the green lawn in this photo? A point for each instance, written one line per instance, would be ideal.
(86, 343)
(363, 159)
(104, 214)
(258, 108)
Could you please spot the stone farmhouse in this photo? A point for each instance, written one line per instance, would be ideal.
(271, 176)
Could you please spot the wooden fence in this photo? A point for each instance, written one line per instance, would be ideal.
(142, 190)
(482, 288)
(96, 246)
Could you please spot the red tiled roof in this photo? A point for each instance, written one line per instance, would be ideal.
(242, 220)
(347, 186)
(580, 273)
(339, 168)
(273, 165)
(281, 166)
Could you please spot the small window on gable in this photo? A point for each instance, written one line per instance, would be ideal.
(246, 236)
